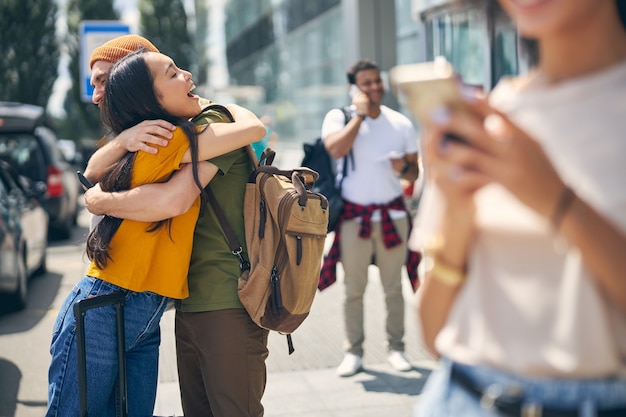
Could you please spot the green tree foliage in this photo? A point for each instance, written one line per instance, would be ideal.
(164, 22)
(29, 50)
(83, 119)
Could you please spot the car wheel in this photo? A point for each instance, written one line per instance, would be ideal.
(62, 230)
(43, 266)
(18, 298)
(75, 215)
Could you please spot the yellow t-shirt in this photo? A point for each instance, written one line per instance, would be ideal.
(153, 261)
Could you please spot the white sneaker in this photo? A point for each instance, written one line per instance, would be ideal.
(350, 365)
(399, 362)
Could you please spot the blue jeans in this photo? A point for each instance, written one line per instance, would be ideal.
(443, 396)
(142, 313)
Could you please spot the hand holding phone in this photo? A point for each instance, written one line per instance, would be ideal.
(354, 90)
(83, 180)
(427, 86)
(361, 102)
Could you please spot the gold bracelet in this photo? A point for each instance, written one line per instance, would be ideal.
(443, 272)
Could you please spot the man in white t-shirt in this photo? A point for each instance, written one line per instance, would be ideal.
(374, 223)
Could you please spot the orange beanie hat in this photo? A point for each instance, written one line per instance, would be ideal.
(118, 48)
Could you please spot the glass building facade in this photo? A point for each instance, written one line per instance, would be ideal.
(295, 53)
(293, 49)
(476, 37)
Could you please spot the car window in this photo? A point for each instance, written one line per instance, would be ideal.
(4, 188)
(49, 139)
(5, 212)
(6, 181)
(13, 180)
(23, 152)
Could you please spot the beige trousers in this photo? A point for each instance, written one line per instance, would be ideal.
(356, 254)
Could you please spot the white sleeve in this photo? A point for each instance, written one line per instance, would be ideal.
(411, 139)
(334, 121)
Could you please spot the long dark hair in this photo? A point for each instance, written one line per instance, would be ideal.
(129, 99)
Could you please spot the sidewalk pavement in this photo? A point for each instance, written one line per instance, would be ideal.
(305, 384)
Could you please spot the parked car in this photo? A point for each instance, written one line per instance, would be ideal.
(29, 144)
(23, 234)
(71, 153)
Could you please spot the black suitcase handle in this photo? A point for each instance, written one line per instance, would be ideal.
(80, 310)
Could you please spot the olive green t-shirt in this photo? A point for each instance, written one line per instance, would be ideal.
(214, 270)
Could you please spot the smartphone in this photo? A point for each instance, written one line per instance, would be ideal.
(427, 85)
(354, 90)
(83, 180)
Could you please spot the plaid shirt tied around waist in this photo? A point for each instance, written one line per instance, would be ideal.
(328, 274)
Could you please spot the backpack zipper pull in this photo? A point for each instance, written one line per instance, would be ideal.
(277, 299)
(298, 249)
(263, 217)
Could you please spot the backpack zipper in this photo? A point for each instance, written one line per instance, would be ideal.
(263, 207)
(298, 249)
(281, 258)
(284, 208)
(263, 218)
(299, 236)
(277, 299)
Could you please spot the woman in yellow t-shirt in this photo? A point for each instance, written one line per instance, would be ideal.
(148, 261)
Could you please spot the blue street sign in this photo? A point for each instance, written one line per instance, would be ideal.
(94, 33)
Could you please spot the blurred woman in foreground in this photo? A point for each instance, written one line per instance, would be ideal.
(524, 228)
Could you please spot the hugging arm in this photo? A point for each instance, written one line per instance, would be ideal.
(217, 139)
(220, 138)
(152, 202)
(143, 137)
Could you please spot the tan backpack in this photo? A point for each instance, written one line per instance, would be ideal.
(285, 225)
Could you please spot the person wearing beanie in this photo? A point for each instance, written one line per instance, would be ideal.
(131, 258)
(105, 55)
(137, 138)
(117, 48)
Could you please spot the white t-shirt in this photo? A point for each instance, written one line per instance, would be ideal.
(372, 179)
(529, 305)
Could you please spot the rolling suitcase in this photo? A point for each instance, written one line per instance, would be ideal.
(80, 310)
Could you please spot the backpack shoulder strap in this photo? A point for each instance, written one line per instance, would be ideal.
(267, 157)
(231, 237)
(347, 115)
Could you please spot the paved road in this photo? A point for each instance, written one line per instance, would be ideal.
(303, 384)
